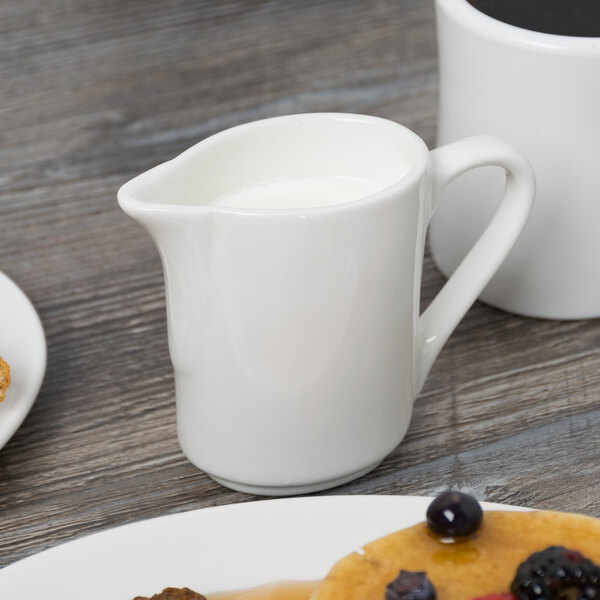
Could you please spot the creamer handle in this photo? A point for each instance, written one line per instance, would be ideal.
(484, 258)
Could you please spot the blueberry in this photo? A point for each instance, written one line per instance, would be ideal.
(410, 586)
(454, 514)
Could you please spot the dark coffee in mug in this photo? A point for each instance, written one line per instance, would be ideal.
(579, 18)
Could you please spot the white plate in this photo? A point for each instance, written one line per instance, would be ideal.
(223, 548)
(23, 347)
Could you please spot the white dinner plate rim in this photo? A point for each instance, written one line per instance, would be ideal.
(26, 340)
(347, 522)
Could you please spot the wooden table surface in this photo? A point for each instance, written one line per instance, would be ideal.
(93, 93)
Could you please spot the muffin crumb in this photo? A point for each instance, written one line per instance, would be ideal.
(175, 594)
(4, 378)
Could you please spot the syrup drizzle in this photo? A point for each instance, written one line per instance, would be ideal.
(283, 590)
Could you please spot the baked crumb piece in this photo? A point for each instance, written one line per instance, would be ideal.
(4, 378)
(174, 594)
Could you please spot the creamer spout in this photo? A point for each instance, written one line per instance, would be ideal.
(181, 235)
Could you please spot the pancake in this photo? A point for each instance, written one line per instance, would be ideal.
(483, 564)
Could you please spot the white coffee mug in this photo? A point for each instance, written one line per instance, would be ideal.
(540, 92)
(294, 325)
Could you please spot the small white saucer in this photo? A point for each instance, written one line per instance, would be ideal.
(23, 347)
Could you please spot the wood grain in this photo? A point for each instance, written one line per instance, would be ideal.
(94, 93)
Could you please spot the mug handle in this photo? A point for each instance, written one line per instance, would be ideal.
(477, 268)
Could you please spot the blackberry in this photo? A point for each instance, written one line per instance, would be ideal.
(410, 586)
(557, 573)
(454, 514)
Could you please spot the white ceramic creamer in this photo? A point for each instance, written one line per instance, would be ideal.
(293, 316)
